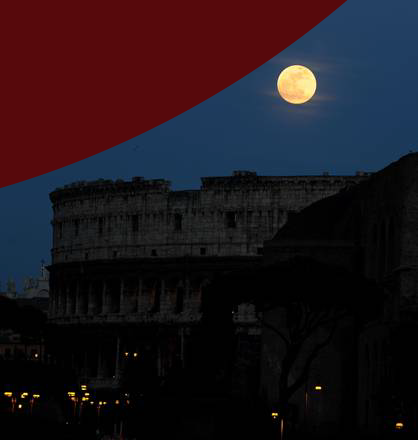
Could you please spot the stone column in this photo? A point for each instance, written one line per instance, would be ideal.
(51, 308)
(164, 306)
(76, 294)
(138, 306)
(91, 303)
(159, 362)
(117, 358)
(182, 346)
(63, 299)
(67, 303)
(57, 300)
(99, 361)
(79, 299)
(117, 296)
(122, 306)
(105, 298)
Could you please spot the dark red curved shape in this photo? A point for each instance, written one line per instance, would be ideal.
(80, 77)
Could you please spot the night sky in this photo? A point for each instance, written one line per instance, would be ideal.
(363, 116)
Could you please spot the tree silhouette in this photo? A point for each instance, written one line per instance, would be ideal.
(314, 299)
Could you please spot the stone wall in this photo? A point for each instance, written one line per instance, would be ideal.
(136, 255)
(144, 218)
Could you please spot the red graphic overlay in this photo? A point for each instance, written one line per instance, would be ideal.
(80, 77)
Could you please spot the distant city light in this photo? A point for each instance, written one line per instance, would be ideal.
(83, 387)
(399, 425)
(36, 396)
(8, 394)
(135, 355)
(19, 406)
(275, 415)
(318, 387)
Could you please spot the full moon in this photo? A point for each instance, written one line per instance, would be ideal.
(296, 84)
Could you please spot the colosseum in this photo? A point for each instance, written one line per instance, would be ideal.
(130, 259)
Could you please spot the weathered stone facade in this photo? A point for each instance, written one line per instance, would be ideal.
(369, 230)
(136, 254)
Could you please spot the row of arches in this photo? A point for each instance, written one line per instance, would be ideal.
(151, 295)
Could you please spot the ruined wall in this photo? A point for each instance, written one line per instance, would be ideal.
(137, 255)
(228, 216)
(142, 220)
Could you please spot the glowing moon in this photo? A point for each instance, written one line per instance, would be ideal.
(296, 84)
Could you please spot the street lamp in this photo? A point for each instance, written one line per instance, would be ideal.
(316, 388)
(32, 401)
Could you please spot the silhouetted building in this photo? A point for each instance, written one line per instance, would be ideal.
(10, 289)
(369, 230)
(130, 260)
(14, 347)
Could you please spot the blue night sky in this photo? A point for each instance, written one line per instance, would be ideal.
(363, 116)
